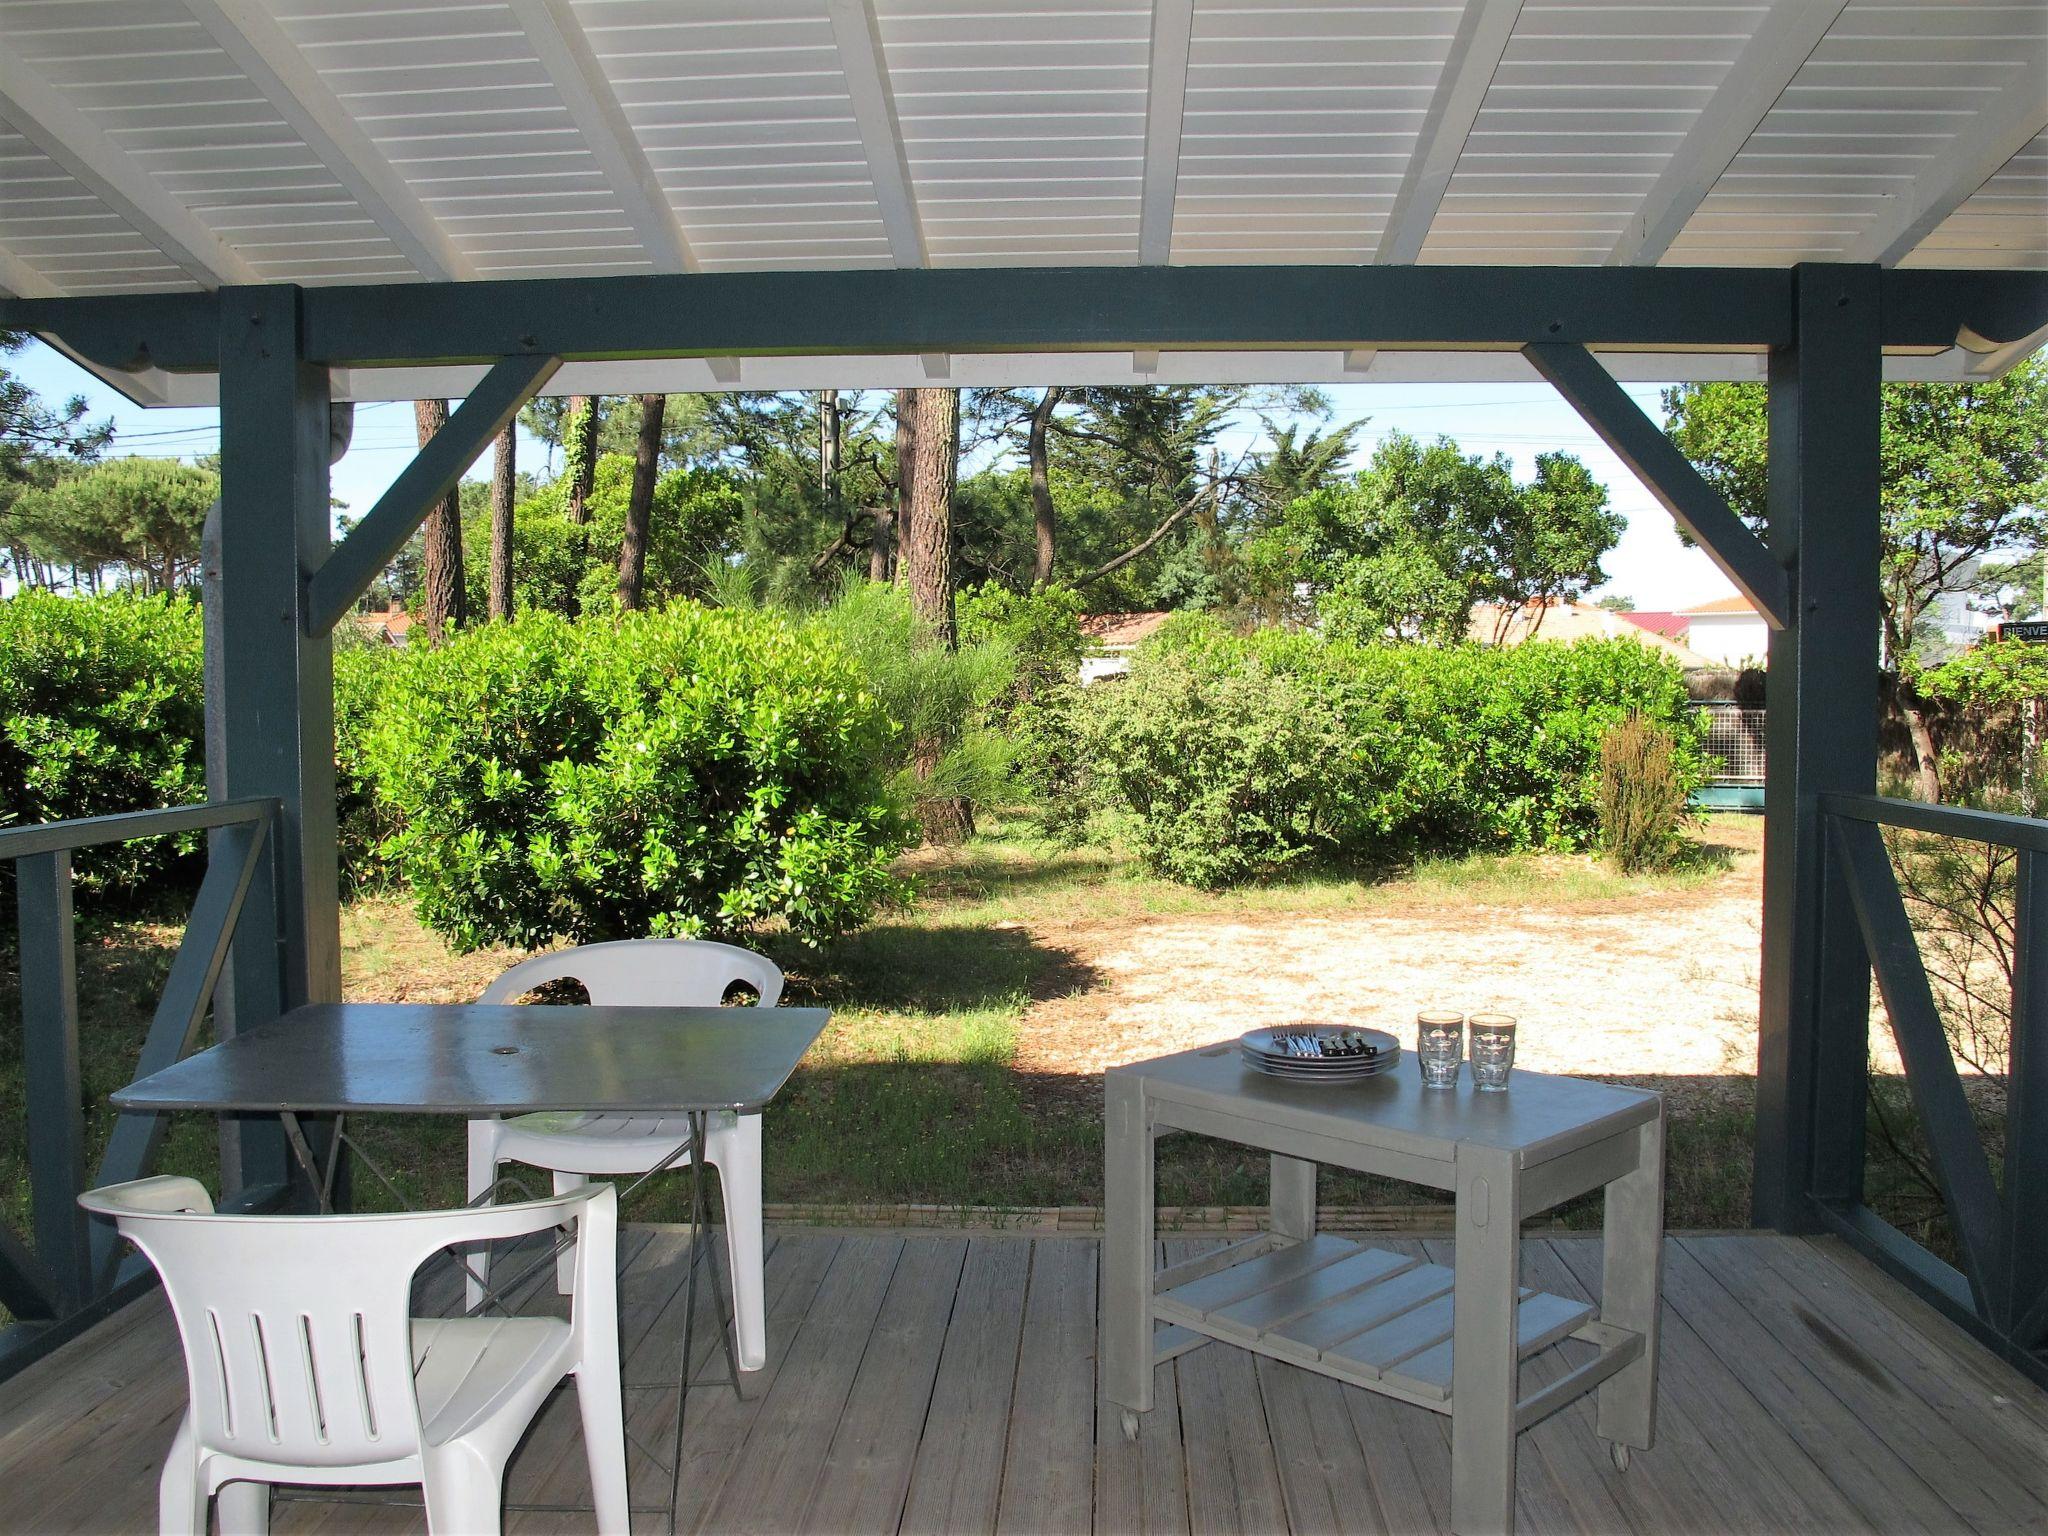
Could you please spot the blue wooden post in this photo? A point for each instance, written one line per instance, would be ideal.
(273, 706)
(1820, 734)
(49, 1049)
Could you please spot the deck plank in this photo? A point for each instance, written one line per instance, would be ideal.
(785, 1449)
(1326, 1480)
(1887, 1492)
(1709, 1424)
(718, 1422)
(1233, 1479)
(957, 1481)
(1987, 1475)
(1141, 1485)
(1049, 1465)
(862, 1485)
(944, 1383)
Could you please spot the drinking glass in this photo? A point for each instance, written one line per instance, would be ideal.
(1439, 1046)
(1493, 1050)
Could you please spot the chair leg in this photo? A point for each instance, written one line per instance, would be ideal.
(180, 1500)
(244, 1509)
(464, 1492)
(599, 1401)
(565, 1261)
(739, 1175)
(483, 1173)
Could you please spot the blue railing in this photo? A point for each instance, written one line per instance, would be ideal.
(68, 1272)
(1998, 1288)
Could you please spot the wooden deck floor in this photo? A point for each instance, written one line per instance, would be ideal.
(937, 1383)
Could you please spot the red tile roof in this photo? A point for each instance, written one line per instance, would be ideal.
(1118, 631)
(1670, 625)
(1738, 604)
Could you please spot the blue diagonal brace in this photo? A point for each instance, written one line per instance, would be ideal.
(1669, 476)
(357, 560)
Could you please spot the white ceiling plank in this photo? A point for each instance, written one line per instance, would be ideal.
(248, 34)
(2001, 130)
(557, 40)
(859, 40)
(40, 114)
(20, 280)
(1781, 44)
(1166, 85)
(1481, 38)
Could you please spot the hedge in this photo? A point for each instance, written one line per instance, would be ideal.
(1227, 757)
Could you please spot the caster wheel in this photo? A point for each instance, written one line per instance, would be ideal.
(1130, 1424)
(1618, 1454)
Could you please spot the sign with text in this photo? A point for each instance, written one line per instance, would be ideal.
(2034, 631)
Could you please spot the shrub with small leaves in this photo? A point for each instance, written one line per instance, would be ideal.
(102, 710)
(682, 772)
(1643, 796)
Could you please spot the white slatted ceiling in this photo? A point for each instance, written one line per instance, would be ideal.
(1299, 121)
(1023, 127)
(148, 77)
(1023, 122)
(1881, 95)
(454, 97)
(742, 110)
(2005, 224)
(1589, 102)
(61, 231)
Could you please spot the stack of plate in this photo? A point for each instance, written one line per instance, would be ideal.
(1320, 1053)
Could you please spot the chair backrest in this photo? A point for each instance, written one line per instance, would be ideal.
(297, 1329)
(646, 973)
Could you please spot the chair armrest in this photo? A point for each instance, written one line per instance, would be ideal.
(164, 1193)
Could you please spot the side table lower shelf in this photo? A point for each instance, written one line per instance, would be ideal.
(1366, 1316)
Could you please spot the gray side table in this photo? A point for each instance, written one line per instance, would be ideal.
(1381, 1320)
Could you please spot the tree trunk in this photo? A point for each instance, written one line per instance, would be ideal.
(882, 545)
(446, 600)
(928, 541)
(1041, 485)
(579, 453)
(640, 506)
(503, 481)
(1898, 625)
(928, 557)
(831, 437)
(1926, 760)
(906, 472)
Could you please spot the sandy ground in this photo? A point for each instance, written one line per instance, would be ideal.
(1665, 992)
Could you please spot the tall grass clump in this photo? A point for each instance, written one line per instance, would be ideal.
(1643, 796)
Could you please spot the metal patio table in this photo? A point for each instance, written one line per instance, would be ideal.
(1380, 1320)
(474, 1059)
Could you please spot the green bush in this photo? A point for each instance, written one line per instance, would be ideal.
(1642, 796)
(102, 709)
(361, 666)
(1041, 628)
(689, 771)
(1230, 756)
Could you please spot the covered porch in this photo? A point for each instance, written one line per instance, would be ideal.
(1826, 1371)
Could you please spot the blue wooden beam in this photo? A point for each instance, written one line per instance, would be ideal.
(1666, 473)
(358, 559)
(1040, 309)
(231, 866)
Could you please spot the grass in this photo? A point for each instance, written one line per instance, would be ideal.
(913, 1094)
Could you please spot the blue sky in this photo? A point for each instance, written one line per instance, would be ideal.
(1519, 420)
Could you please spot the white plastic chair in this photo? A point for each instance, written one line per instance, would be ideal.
(304, 1364)
(642, 973)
